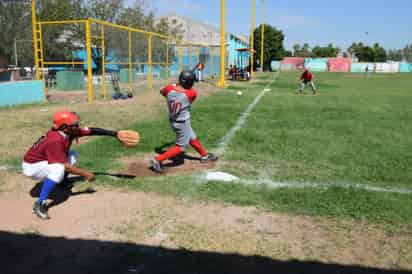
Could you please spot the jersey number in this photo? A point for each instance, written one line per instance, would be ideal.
(175, 107)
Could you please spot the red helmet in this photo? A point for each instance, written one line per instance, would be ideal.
(65, 118)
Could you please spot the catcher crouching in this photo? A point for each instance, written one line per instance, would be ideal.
(50, 159)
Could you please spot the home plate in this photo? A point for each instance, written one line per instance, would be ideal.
(221, 176)
(266, 89)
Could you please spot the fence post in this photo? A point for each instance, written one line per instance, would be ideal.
(103, 62)
(131, 76)
(167, 61)
(222, 44)
(89, 63)
(150, 75)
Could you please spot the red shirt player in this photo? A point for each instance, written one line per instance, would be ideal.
(50, 160)
(307, 79)
(179, 100)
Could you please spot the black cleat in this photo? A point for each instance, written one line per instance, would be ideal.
(156, 166)
(208, 158)
(40, 209)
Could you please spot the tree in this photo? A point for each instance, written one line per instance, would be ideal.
(296, 50)
(317, 51)
(395, 55)
(273, 45)
(61, 40)
(329, 51)
(15, 17)
(407, 53)
(364, 53)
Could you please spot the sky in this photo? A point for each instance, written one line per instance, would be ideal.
(317, 22)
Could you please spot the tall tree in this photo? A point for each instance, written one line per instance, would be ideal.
(365, 53)
(329, 51)
(296, 50)
(61, 40)
(273, 45)
(407, 53)
(15, 17)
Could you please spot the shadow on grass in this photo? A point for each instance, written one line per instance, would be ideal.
(61, 192)
(32, 253)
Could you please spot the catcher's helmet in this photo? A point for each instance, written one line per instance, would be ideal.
(187, 79)
(65, 118)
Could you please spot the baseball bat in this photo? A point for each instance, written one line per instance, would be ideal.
(118, 175)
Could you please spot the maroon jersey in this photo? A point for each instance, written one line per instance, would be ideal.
(307, 76)
(179, 102)
(53, 147)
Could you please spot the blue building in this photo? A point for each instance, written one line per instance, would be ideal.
(200, 33)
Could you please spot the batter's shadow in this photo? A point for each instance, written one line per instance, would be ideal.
(61, 192)
(175, 161)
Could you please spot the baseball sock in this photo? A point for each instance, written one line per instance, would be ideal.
(171, 152)
(199, 148)
(47, 187)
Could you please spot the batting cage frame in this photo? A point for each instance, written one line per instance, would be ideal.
(113, 47)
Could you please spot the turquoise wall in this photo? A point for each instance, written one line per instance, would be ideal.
(275, 65)
(317, 64)
(405, 67)
(360, 67)
(236, 58)
(21, 92)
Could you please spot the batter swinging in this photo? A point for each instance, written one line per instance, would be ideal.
(179, 100)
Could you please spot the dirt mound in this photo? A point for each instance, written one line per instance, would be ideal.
(186, 164)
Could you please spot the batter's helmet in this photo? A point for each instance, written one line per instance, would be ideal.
(65, 118)
(187, 79)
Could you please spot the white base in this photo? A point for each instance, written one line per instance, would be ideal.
(221, 176)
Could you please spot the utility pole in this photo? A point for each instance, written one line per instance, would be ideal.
(262, 36)
(222, 44)
(252, 26)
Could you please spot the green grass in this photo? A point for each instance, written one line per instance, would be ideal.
(357, 130)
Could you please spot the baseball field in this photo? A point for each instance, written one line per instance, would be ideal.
(324, 183)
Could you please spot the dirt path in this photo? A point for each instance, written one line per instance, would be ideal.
(123, 216)
(123, 231)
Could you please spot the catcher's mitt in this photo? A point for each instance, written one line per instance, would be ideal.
(128, 138)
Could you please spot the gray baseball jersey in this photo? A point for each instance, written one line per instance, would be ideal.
(179, 103)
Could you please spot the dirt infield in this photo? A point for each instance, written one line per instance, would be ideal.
(182, 165)
(95, 228)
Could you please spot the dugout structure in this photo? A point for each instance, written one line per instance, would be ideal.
(101, 49)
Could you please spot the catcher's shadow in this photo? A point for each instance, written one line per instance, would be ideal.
(61, 192)
(175, 161)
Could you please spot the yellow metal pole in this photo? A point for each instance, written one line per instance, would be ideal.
(167, 61)
(103, 62)
(34, 27)
(89, 63)
(180, 53)
(198, 54)
(252, 26)
(40, 59)
(130, 63)
(222, 44)
(262, 36)
(150, 76)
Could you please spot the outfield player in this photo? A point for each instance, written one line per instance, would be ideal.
(307, 79)
(179, 100)
(50, 158)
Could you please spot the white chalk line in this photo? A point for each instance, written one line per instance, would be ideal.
(221, 147)
(274, 184)
(220, 150)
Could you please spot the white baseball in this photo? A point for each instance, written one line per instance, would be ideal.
(239, 93)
